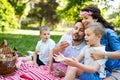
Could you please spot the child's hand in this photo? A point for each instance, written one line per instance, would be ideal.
(71, 61)
(34, 63)
(59, 58)
(50, 68)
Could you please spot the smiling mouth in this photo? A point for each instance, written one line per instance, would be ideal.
(85, 24)
(86, 40)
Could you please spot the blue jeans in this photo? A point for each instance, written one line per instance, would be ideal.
(90, 76)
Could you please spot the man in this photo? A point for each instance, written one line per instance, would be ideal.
(70, 45)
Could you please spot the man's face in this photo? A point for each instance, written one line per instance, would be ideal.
(78, 32)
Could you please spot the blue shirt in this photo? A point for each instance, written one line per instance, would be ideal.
(112, 43)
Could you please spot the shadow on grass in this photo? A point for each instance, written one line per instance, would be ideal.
(23, 43)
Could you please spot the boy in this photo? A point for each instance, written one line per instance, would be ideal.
(43, 48)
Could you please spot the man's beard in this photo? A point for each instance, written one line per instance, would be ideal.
(76, 37)
(77, 40)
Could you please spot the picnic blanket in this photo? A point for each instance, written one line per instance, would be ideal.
(32, 72)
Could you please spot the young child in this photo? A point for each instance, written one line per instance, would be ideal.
(43, 48)
(91, 69)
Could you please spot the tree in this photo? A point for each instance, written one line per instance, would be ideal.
(72, 10)
(7, 16)
(45, 10)
(20, 7)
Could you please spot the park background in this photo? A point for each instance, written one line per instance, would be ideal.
(20, 19)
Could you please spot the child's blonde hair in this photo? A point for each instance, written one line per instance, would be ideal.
(42, 28)
(97, 28)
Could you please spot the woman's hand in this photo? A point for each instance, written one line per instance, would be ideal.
(96, 54)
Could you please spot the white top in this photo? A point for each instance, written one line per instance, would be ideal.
(44, 49)
(88, 60)
(73, 51)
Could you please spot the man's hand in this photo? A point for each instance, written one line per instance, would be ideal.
(60, 47)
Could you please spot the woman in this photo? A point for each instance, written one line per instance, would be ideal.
(110, 39)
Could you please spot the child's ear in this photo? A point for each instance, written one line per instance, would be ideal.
(100, 36)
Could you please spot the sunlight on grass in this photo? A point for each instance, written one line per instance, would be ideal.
(58, 31)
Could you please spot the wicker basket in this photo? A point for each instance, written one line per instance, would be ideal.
(7, 59)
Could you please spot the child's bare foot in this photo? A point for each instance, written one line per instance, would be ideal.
(59, 73)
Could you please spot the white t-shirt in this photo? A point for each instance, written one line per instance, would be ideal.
(44, 49)
(88, 60)
(73, 51)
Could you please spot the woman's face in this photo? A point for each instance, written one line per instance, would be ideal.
(87, 19)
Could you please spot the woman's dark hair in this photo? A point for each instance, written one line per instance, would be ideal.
(97, 15)
(79, 20)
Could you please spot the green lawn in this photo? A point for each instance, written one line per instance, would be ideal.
(24, 42)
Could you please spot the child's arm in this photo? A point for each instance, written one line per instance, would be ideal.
(68, 61)
(35, 58)
(75, 63)
(86, 68)
(50, 61)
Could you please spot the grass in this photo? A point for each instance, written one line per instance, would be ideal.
(24, 42)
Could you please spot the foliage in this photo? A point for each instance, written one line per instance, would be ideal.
(115, 16)
(7, 16)
(72, 10)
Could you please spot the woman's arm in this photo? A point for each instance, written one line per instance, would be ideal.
(96, 54)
